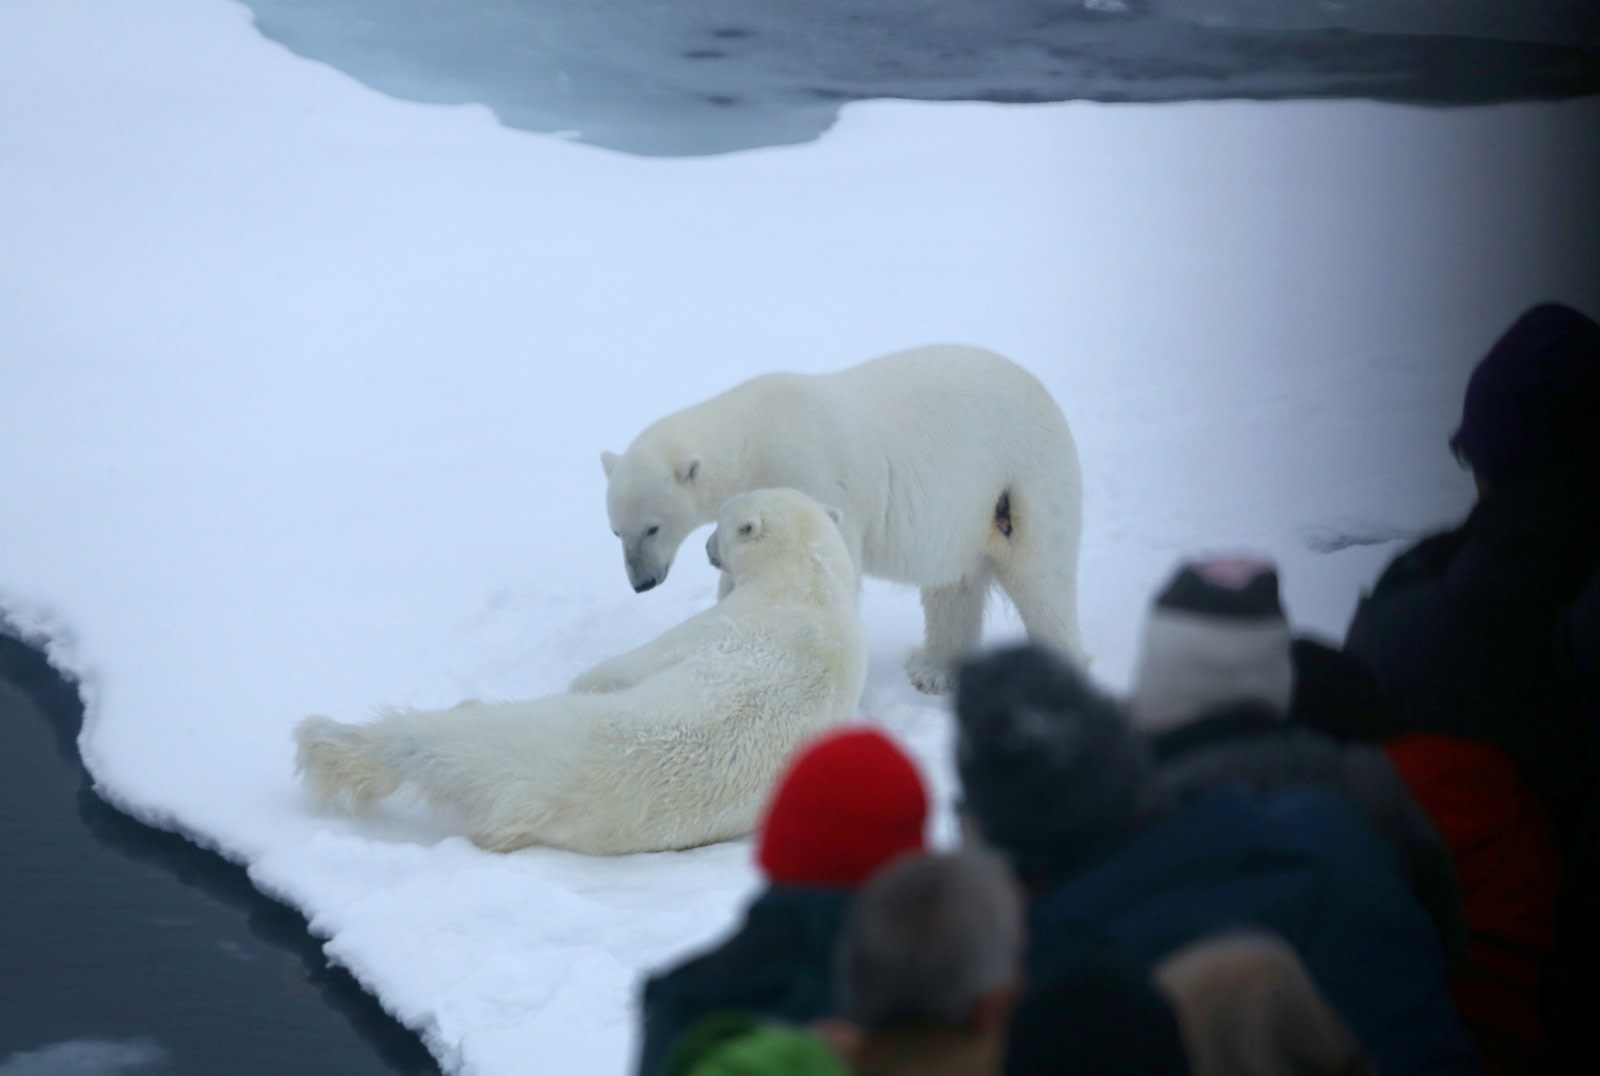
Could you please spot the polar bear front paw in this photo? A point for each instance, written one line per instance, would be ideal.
(929, 676)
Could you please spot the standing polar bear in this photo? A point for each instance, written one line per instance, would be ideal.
(952, 465)
(672, 745)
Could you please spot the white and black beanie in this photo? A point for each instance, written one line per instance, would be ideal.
(1216, 636)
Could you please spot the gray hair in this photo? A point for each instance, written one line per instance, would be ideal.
(929, 937)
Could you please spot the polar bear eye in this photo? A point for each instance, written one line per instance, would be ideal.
(745, 528)
(650, 532)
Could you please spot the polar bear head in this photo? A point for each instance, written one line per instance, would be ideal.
(652, 505)
(774, 533)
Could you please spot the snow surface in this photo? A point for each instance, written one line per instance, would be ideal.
(304, 390)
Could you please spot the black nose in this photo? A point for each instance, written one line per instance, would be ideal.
(641, 587)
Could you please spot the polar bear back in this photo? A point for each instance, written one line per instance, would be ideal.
(960, 426)
(747, 706)
(915, 448)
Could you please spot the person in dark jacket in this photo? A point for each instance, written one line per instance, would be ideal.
(1213, 656)
(1460, 629)
(849, 803)
(1575, 975)
(1507, 868)
(1213, 689)
(1097, 1013)
(1056, 779)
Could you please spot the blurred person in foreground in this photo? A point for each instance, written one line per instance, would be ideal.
(1095, 1012)
(1056, 779)
(929, 966)
(1460, 629)
(850, 802)
(1248, 1008)
(1214, 690)
(1464, 634)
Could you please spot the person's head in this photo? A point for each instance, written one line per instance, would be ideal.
(1532, 405)
(1248, 1007)
(933, 940)
(850, 802)
(1051, 772)
(1215, 637)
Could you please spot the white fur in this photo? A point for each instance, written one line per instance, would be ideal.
(671, 745)
(916, 448)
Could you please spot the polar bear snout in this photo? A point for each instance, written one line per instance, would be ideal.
(645, 570)
(711, 551)
(647, 559)
(645, 578)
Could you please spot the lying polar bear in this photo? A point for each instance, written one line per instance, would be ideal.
(671, 745)
(953, 466)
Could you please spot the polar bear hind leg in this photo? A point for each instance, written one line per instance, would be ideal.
(443, 754)
(341, 763)
(1037, 567)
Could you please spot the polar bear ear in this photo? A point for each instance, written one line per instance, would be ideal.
(609, 461)
(687, 469)
(833, 514)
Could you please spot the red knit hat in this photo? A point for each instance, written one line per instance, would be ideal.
(850, 802)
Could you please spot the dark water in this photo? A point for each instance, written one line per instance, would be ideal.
(125, 949)
(662, 78)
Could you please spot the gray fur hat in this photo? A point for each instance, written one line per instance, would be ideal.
(1051, 771)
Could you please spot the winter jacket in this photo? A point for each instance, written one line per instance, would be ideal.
(1250, 745)
(1094, 1011)
(1580, 648)
(1575, 972)
(927, 1050)
(1460, 632)
(1510, 876)
(1300, 863)
(1337, 695)
(738, 1044)
(778, 965)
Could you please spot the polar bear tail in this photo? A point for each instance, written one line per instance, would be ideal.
(343, 764)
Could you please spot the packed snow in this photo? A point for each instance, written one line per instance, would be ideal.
(305, 390)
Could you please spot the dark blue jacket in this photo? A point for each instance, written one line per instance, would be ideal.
(1300, 863)
(778, 964)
